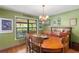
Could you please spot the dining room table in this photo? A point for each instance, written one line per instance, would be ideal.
(46, 43)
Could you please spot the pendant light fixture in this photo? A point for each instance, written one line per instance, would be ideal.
(43, 17)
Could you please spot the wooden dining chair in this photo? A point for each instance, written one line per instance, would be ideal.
(28, 45)
(32, 45)
(65, 42)
(36, 45)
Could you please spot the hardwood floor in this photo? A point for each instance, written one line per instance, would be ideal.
(23, 50)
(72, 51)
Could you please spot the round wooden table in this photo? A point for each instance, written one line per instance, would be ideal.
(49, 45)
(52, 44)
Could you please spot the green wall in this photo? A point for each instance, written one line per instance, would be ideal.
(65, 22)
(8, 39)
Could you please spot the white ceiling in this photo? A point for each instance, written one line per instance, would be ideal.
(37, 10)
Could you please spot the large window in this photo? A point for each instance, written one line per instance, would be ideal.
(24, 26)
(21, 28)
(32, 25)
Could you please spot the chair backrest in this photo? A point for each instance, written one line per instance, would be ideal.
(65, 39)
(28, 42)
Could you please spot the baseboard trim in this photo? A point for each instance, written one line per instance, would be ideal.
(10, 48)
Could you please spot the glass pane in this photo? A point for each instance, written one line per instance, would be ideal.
(30, 25)
(25, 25)
(30, 28)
(21, 30)
(32, 21)
(34, 29)
(34, 25)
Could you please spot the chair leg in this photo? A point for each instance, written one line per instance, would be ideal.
(63, 50)
(27, 49)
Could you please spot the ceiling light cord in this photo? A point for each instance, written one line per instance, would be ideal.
(43, 9)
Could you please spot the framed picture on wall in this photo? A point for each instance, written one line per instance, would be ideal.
(59, 21)
(56, 22)
(6, 25)
(73, 21)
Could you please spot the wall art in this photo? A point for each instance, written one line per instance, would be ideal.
(6, 25)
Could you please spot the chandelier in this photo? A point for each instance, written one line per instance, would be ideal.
(43, 17)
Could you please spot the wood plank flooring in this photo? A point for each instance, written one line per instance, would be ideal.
(23, 50)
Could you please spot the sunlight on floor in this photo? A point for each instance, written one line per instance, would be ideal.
(22, 51)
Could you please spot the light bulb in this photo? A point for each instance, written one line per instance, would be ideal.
(47, 17)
